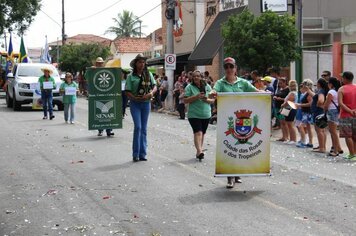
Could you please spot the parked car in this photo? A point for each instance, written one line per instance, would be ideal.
(23, 83)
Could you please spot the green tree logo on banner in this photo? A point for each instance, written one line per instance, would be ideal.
(104, 80)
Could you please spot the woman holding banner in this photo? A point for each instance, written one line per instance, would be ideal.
(69, 90)
(199, 110)
(47, 84)
(140, 88)
(231, 83)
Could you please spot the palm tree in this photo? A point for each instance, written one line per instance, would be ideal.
(127, 25)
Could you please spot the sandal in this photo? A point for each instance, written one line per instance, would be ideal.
(315, 148)
(281, 140)
(333, 154)
(318, 151)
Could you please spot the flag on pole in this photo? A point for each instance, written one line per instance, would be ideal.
(23, 58)
(45, 57)
(10, 58)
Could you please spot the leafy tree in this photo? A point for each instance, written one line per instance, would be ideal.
(17, 15)
(76, 58)
(261, 42)
(126, 25)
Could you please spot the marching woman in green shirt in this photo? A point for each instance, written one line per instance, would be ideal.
(47, 84)
(139, 88)
(69, 90)
(231, 83)
(199, 110)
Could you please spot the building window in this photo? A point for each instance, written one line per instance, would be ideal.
(313, 23)
(210, 10)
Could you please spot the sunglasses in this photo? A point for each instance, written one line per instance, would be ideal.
(229, 66)
(324, 75)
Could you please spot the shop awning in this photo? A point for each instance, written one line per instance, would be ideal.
(182, 58)
(209, 45)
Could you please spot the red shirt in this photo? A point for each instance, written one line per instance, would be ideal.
(349, 99)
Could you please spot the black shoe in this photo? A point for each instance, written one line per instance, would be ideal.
(44, 118)
(143, 159)
(110, 134)
(51, 117)
(135, 159)
(238, 180)
(100, 133)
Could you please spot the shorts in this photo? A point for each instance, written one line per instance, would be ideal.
(199, 125)
(333, 116)
(291, 115)
(164, 94)
(347, 127)
(307, 118)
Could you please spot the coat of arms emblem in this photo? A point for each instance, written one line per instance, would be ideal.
(243, 127)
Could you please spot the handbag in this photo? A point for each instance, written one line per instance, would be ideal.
(285, 111)
(321, 121)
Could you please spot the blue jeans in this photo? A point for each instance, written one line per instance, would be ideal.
(47, 99)
(139, 113)
(68, 106)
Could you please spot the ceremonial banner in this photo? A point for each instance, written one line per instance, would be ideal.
(243, 134)
(105, 98)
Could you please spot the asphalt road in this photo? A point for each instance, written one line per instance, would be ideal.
(61, 179)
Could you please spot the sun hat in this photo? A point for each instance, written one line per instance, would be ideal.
(47, 69)
(99, 60)
(138, 57)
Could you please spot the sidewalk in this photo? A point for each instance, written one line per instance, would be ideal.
(276, 134)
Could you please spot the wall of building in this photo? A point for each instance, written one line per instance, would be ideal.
(186, 42)
(126, 58)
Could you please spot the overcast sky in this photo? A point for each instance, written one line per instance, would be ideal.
(86, 17)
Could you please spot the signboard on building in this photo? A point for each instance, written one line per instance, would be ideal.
(274, 5)
(225, 5)
(170, 61)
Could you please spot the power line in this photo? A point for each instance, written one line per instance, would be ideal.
(51, 18)
(86, 17)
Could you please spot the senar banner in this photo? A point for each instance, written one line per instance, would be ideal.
(243, 134)
(105, 98)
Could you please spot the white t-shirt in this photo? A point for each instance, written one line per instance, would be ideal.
(335, 99)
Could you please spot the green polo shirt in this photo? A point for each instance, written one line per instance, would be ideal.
(69, 99)
(198, 109)
(43, 79)
(240, 85)
(132, 83)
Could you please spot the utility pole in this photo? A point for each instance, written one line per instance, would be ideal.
(63, 28)
(170, 8)
(299, 61)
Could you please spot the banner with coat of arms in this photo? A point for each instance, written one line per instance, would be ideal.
(243, 134)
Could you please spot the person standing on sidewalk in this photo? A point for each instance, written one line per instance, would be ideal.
(231, 83)
(140, 88)
(47, 84)
(347, 103)
(331, 107)
(69, 100)
(199, 110)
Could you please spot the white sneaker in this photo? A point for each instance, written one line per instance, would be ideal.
(72, 122)
(292, 142)
(286, 142)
